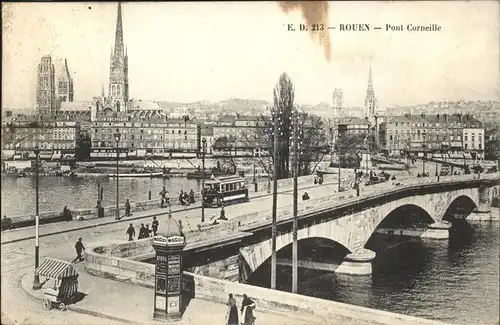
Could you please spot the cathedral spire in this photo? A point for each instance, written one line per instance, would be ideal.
(370, 100)
(119, 32)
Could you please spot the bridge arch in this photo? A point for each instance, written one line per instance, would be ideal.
(353, 231)
(459, 208)
(319, 244)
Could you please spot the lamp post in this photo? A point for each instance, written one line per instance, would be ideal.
(203, 148)
(295, 206)
(339, 154)
(36, 279)
(254, 178)
(275, 203)
(117, 140)
(425, 156)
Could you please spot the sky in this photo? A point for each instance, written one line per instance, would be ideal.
(186, 52)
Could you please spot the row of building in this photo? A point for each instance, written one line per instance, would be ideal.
(159, 135)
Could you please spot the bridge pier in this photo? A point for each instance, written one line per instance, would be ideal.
(357, 263)
(483, 209)
(438, 230)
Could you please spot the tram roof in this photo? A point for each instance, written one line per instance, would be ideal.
(225, 179)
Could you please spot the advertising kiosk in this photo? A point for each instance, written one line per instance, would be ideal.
(168, 271)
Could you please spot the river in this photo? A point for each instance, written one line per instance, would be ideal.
(455, 281)
(18, 194)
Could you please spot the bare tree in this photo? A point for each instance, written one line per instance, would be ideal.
(226, 146)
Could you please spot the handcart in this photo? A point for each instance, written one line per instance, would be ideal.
(62, 279)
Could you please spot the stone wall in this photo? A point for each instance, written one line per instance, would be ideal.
(203, 287)
(308, 308)
(285, 183)
(117, 268)
(19, 221)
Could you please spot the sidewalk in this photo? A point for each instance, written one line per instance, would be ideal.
(20, 234)
(133, 304)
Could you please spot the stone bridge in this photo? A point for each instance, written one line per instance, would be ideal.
(352, 224)
(234, 250)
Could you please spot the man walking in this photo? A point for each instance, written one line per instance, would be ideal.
(154, 225)
(131, 233)
(79, 249)
(142, 232)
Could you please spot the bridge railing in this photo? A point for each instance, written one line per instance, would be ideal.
(327, 202)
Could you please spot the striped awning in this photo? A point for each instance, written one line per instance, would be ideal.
(56, 269)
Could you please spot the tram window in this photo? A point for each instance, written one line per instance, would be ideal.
(231, 187)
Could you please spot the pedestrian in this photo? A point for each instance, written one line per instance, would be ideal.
(148, 231)
(232, 311)
(100, 209)
(162, 195)
(131, 233)
(142, 232)
(181, 198)
(79, 249)
(127, 208)
(191, 196)
(222, 213)
(66, 214)
(6, 223)
(154, 225)
(247, 307)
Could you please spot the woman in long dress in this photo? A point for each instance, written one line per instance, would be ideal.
(232, 312)
(247, 308)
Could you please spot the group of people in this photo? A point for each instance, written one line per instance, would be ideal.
(245, 316)
(186, 198)
(144, 231)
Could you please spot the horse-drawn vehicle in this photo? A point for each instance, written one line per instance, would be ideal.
(62, 281)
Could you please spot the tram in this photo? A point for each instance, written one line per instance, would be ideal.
(224, 190)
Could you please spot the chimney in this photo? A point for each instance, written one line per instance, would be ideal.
(445, 117)
(460, 117)
(437, 117)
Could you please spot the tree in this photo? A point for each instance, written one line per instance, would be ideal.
(226, 145)
(83, 147)
(313, 139)
(349, 147)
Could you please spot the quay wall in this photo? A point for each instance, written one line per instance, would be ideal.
(203, 287)
(19, 221)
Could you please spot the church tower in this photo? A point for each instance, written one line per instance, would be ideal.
(118, 70)
(370, 99)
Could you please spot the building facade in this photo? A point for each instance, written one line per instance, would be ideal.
(24, 136)
(352, 126)
(46, 89)
(432, 133)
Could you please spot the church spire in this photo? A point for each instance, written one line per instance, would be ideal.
(370, 100)
(119, 32)
(102, 91)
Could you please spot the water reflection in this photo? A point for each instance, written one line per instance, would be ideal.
(454, 281)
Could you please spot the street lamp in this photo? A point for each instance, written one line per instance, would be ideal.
(425, 156)
(117, 140)
(36, 280)
(204, 149)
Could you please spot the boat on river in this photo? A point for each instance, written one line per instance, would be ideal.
(149, 175)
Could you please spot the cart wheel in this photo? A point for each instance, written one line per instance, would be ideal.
(61, 306)
(47, 304)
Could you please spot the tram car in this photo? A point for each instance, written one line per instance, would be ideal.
(224, 190)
